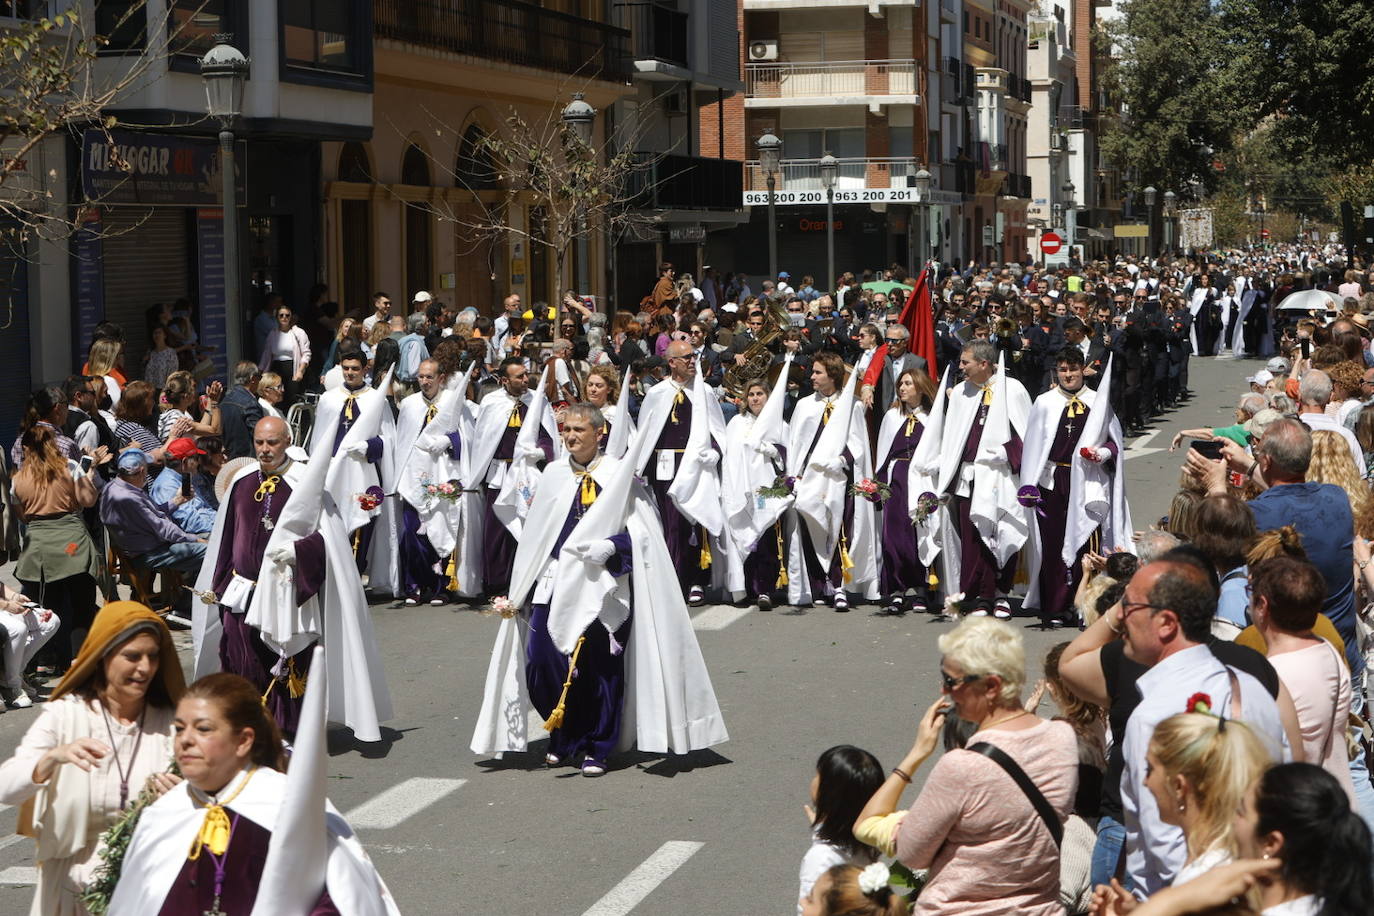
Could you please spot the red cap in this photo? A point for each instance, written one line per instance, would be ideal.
(183, 448)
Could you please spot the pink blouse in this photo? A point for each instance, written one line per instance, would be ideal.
(987, 850)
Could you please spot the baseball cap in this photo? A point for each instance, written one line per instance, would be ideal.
(132, 459)
(784, 275)
(184, 447)
(421, 296)
(1262, 377)
(1279, 366)
(729, 307)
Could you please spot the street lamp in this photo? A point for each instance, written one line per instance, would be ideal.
(578, 118)
(1070, 216)
(922, 179)
(770, 158)
(224, 70)
(1169, 199)
(829, 167)
(1150, 193)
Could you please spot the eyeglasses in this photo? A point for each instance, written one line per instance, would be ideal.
(951, 682)
(1130, 607)
(895, 339)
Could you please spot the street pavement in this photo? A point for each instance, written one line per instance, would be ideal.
(717, 832)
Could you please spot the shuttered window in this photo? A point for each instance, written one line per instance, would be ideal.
(146, 260)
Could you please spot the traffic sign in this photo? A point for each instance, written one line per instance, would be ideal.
(1050, 243)
(1264, 233)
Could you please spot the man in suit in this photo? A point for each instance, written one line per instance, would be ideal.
(240, 411)
(878, 398)
(1093, 349)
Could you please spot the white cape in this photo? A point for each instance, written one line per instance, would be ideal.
(670, 705)
(744, 470)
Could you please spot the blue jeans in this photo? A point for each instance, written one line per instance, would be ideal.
(183, 557)
(1111, 836)
(1359, 767)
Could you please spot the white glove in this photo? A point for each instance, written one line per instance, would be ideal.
(601, 551)
(768, 450)
(524, 452)
(835, 466)
(283, 556)
(356, 450)
(432, 443)
(708, 456)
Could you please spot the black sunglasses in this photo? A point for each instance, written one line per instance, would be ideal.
(950, 682)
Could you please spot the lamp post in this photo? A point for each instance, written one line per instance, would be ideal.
(578, 118)
(1169, 201)
(770, 157)
(829, 167)
(224, 70)
(1070, 216)
(922, 178)
(1150, 193)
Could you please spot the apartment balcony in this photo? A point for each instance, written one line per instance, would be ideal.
(511, 32)
(752, 6)
(950, 10)
(788, 84)
(1018, 186)
(957, 175)
(686, 183)
(658, 36)
(852, 175)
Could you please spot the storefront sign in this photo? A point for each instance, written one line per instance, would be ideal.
(210, 270)
(848, 196)
(694, 232)
(154, 169)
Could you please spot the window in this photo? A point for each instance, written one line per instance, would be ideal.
(475, 169)
(193, 24)
(415, 167)
(353, 164)
(322, 35)
(23, 9)
(123, 22)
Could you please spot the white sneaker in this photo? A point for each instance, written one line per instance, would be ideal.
(16, 698)
(1002, 609)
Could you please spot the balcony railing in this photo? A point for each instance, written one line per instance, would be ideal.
(657, 32)
(510, 31)
(1072, 117)
(1019, 87)
(852, 174)
(787, 80)
(1018, 186)
(686, 183)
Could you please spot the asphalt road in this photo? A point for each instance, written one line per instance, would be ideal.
(717, 832)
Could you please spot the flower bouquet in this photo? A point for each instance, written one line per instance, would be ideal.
(371, 498)
(926, 504)
(450, 490)
(782, 486)
(502, 607)
(954, 606)
(875, 491)
(96, 895)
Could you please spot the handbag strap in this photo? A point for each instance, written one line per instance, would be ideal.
(1034, 795)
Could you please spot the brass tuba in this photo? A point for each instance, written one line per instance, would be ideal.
(757, 357)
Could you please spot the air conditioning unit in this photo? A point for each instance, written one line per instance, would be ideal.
(675, 102)
(764, 49)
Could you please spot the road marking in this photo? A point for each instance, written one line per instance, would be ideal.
(1137, 448)
(719, 616)
(400, 802)
(19, 876)
(13, 840)
(641, 882)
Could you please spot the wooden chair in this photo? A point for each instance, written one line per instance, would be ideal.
(140, 579)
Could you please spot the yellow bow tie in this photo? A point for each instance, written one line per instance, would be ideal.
(269, 485)
(350, 410)
(216, 829)
(826, 411)
(678, 398)
(514, 421)
(431, 413)
(1076, 407)
(587, 491)
(987, 394)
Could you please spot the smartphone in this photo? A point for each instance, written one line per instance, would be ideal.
(86, 462)
(1207, 448)
(1306, 344)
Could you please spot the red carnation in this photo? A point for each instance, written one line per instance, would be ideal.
(1199, 702)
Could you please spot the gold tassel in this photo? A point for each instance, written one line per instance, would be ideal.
(555, 718)
(587, 492)
(430, 414)
(677, 399)
(987, 394)
(933, 580)
(453, 570)
(826, 412)
(514, 421)
(782, 560)
(846, 564)
(349, 410)
(705, 550)
(295, 681)
(216, 829)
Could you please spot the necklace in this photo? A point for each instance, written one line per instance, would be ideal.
(1015, 715)
(267, 486)
(114, 752)
(220, 862)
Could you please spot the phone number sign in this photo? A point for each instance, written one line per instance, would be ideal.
(847, 196)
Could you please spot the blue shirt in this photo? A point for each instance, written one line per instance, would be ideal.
(1321, 514)
(135, 522)
(195, 515)
(1233, 603)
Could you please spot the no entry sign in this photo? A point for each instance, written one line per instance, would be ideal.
(1050, 243)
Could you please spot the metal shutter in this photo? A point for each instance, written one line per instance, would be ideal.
(15, 352)
(145, 261)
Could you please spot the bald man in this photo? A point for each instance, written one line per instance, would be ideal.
(680, 439)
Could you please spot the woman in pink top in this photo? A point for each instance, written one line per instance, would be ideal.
(1286, 596)
(988, 850)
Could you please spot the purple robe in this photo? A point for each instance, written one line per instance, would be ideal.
(680, 533)
(902, 569)
(596, 699)
(193, 891)
(241, 547)
(980, 578)
(1059, 583)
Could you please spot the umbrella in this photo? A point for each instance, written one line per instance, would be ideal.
(1310, 300)
(885, 286)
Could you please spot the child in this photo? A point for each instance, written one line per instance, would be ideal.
(846, 778)
(24, 628)
(847, 890)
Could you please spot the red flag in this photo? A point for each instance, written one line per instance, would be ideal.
(919, 320)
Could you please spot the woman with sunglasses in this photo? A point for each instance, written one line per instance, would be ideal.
(988, 848)
(287, 353)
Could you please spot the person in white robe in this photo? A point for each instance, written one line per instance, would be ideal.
(755, 448)
(972, 465)
(679, 442)
(596, 638)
